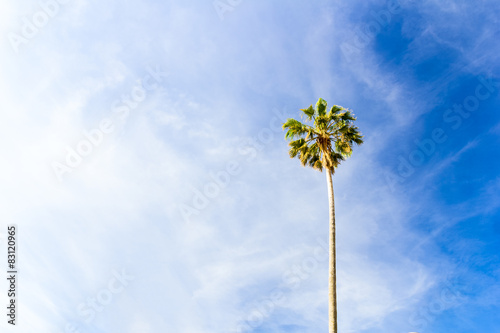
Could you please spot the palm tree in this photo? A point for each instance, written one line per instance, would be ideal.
(324, 146)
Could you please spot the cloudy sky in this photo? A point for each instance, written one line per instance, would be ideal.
(144, 165)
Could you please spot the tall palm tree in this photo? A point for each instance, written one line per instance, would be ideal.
(324, 145)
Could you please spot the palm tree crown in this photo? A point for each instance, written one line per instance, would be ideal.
(328, 142)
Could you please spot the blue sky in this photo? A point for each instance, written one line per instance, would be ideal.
(145, 168)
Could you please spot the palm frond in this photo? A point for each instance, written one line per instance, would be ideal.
(335, 109)
(295, 129)
(321, 107)
(336, 159)
(309, 112)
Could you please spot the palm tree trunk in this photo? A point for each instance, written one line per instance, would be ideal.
(332, 278)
